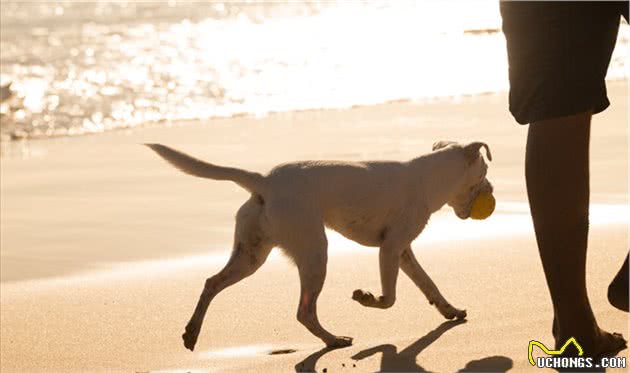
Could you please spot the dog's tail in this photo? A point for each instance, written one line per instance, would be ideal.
(252, 181)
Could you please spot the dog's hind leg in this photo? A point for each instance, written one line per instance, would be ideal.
(409, 264)
(245, 260)
(311, 262)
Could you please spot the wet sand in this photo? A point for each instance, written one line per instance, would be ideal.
(105, 248)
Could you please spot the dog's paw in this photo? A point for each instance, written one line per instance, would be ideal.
(460, 314)
(190, 339)
(364, 297)
(451, 312)
(339, 342)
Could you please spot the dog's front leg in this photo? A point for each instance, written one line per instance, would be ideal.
(389, 262)
(412, 268)
(245, 260)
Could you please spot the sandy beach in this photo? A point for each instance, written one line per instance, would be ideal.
(105, 248)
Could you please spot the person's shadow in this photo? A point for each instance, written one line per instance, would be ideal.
(489, 364)
(405, 360)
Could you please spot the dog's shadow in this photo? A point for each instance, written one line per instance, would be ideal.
(393, 360)
(405, 361)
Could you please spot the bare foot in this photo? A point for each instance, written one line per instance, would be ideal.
(602, 344)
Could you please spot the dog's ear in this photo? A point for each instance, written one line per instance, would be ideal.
(472, 151)
(442, 144)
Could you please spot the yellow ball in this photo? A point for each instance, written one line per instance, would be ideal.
(483, 206)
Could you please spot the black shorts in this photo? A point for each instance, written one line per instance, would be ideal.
(558, 55)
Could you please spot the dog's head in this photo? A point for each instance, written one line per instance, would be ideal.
(473, 180)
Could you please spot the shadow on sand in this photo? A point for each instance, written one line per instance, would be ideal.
(405, 360)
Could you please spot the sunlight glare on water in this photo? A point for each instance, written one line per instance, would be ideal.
(89, 67)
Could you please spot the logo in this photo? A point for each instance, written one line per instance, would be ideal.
(554, 360)
(532, 343)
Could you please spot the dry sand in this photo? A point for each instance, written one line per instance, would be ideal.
(104, 249)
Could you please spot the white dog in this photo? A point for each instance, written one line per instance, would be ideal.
(383, 204)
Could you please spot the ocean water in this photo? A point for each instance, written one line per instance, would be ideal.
(89, 67)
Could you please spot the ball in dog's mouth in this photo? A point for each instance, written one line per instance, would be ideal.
(482, 206)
